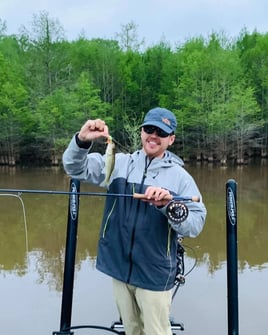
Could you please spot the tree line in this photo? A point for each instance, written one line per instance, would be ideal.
(49, 86)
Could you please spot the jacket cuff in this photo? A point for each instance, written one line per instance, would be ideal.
(82, 144)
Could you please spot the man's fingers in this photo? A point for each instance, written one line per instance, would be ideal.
(156, 193)
(93, 129)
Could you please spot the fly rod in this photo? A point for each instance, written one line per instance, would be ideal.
(99, 194)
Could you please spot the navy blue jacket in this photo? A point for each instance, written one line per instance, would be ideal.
(137, 242)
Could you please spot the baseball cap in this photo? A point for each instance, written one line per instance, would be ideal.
(161, 118)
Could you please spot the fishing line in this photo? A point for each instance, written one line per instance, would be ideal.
(120, 145)
(195, 260)
(180, 281)
(18, 196)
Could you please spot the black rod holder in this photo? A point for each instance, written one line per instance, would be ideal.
(231, 238)
(70, 252)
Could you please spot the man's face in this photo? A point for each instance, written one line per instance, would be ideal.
(153, 144)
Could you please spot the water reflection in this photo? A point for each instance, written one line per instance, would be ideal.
(252, 213)
(35, 248)
(46, 217)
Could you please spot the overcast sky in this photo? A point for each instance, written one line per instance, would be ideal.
(172, 20)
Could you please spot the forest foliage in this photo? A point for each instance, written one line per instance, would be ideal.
(49, 86)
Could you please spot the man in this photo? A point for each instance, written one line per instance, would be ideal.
(138, 243)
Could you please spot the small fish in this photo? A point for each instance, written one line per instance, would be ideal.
(110, 160)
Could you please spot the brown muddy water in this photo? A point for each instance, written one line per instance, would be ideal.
(32, 249)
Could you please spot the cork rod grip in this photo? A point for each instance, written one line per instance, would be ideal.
(170, 197)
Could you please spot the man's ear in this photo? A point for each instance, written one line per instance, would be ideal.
(171, 139)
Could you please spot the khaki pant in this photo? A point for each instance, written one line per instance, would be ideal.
(143, 312)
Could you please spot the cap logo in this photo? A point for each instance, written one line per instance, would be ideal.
(166, 121)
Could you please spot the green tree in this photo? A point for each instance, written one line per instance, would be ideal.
(253, 50)
(88, 101)
(61, 113)
(100, 59)
(3, 27)
(160, 75)
(217, 87)
(13, 97)
(190, 97)
(246, 122)
(128, 37)
(44, 55)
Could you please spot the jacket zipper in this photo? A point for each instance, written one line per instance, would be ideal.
(147, 164)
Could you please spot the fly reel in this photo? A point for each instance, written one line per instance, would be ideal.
(177, 211)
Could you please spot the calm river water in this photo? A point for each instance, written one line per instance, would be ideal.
(32, 251)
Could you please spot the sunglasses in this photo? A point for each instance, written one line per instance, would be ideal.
(159, 132)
